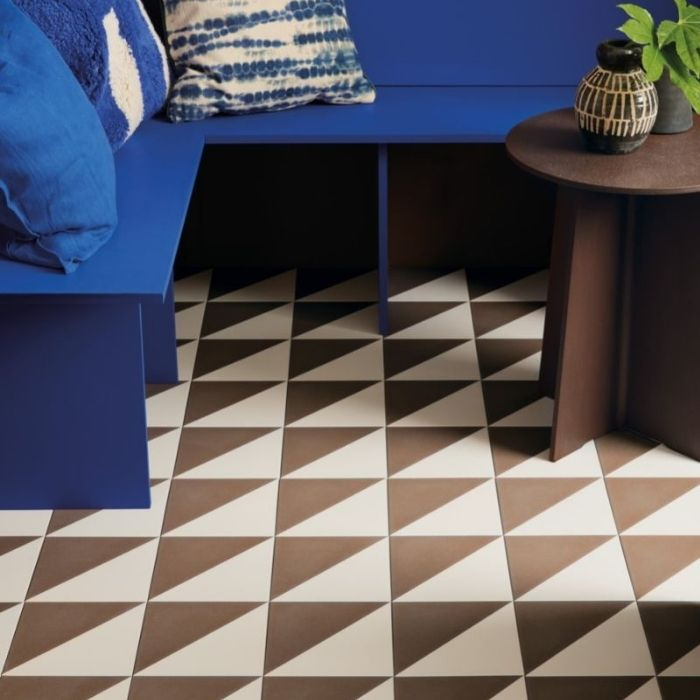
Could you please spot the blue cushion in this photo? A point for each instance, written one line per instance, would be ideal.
(57, 181)
(114, 51)
(261, 55)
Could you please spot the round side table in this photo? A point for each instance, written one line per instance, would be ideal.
(622, 334)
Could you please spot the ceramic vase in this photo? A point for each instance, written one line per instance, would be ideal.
(675, 113)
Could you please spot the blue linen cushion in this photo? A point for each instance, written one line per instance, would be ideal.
(238, 56)
(57, 179)
(116, 54)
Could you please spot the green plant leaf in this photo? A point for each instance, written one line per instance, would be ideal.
(639, 14)
(636, 32)
(682, 77)
(685, 34)
(653, 62)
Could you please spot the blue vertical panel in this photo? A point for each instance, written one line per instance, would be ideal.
(159, 344)
(72, 407)
(383, 237)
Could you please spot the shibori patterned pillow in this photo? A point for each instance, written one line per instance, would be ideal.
(239, 56)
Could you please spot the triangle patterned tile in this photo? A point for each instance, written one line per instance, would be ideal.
(335, 404)
(162, 452)
(520, 319)
(18, 557)
(659, 462)
(677, 518)
(56, 688)
(618, 448)
(495, 356)
(362, 287)
(513, 446)
(578, 465)
(425, 360)
(242, 360)
(527, 370)
(336, 320)
(530, 326)
(9, 617)
(452, 688)
(430, 320)
(680, 688)
(186, 356)
(428, 285)
(530, 288)
(316, 281)
(483, 281)
(686, 667)
(166, 408)
(252, 286)
(24, 523)
(155, 688)
(188, 320)
(255, 320)
(318, 688)
(332, 360)
(192, 286)
(582, 688)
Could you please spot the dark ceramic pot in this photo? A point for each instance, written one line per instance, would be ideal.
(675, 113)
(616, 104)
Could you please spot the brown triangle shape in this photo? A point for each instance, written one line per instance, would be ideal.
(617, 449)
(155, 389)
(411, 499)
(307, 355)
(6, 606)
(533, 560)
(226, 280)
(407, 446)
(502, 399)
(192, 498)
(309, 316)
(9, 544)
(672, 629)
(513, 446)
(400, 355)
(496, 355)
(298, 559)
(64, 518)
(44, 626)
(404, 314)
(65, 558)
(144, 688)
(407, 278)
(653, 560)
(545, 629)
(583, 688)
(483, 280)
(311, 280)
(155, 433)
(405, 398)
(305, 445)
(222, 315)
(54, 688)
(523, 499)
(213, 355)
(318, 688)
(305, 398)
(311, 623)
(634, 499)
(209, 397)
(421, 628)
(169, 627)
(183, 558)
(201, 445)
(451, 688)
(184, 305)
(300, 499)
(415, 560)
(487, 316)
(680, 688)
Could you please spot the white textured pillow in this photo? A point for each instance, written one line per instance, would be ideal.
(237, 56)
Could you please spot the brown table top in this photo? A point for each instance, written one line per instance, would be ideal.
(550, 146)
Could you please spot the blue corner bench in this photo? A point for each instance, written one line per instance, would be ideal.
(76, 350)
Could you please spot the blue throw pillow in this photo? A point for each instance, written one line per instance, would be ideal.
(114, 52)
(57, 182)
(258, 55)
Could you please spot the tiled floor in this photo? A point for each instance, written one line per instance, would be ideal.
(338, 517)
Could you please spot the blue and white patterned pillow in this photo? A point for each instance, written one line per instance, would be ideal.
(238, 56)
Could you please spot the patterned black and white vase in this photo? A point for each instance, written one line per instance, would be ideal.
(616, 104)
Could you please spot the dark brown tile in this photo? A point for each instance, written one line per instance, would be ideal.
(404, 398)
(144, 688)
(513, 446)
(217, 354)
(400, 355)
(404, 279)
(680, 688)
(310, 354)
(209, 397)
(483, 280)
(221, 315)
(155, 389)
(496, 355)
(155, 433)
(9, 544)
(305, 398)
(318, 688)
(583, 688)
(64, 518)
(488, 316)
(309, 316)
(404, 314)
(312, 280)
(54, 688)
(617, 449)
(451, 688)
(501, 399)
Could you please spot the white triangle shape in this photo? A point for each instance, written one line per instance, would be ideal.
(362, 649)
(384, 692)
(251, 515)
(680, 517)
(123, 523)
(527, 370)
(186, 356)
(236, 649)
(539, 414)
(450, 287)
(125, 578)
(359, 324)
(271, 364)
(363, 577)
(649, 691)
(489, 648)
(474, 513)
(600, 575)
(244, 578)
(362, 459)
(167, 409)
(116, 692)
(17, 567)
(580, 464)
(468, 458)
(586, 512)
(253, 691)
(683, 587)
(516, 691)
(364, 408)
(463, 408)
(188, 322)
(360, 288)
(275, 324)
(193, 288)
(162, 453)
(366, 363)
(106, 650)
(617, 647)
(24, 523)
(458, 363)
(262, 410)
(659, 462)
(530, 288)
(482, 576)
(257, 459)
(277, 288)
(530, 326)
(686, 666)
(362, 515)
(454, 324)
(8, 624)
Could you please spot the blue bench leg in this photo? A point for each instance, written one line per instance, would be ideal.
(159, 344)
(72, 406)
(383, 253)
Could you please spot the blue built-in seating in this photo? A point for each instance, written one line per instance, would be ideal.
(76, 349)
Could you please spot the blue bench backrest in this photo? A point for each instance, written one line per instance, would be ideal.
(481, 42)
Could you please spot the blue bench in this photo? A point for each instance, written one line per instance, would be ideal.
(76, 350)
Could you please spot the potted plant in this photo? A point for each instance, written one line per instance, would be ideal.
(671, 59)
